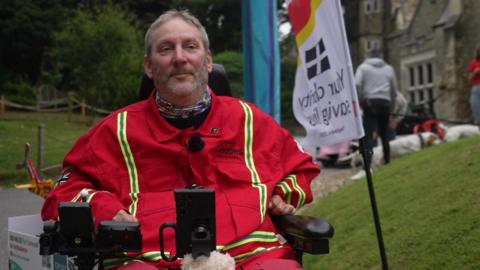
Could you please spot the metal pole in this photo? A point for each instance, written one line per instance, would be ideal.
(41, 145)
(366, 155)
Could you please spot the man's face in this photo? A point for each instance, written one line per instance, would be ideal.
(179, 63)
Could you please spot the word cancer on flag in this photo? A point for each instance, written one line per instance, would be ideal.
(325, 99)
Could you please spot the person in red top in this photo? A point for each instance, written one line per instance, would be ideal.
(128, 166)
(474, 76)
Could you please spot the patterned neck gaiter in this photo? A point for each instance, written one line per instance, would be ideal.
(172, 111)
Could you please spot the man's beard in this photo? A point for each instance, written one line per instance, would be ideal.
(167, 84)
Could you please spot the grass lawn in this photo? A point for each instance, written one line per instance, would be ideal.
(17, 128)
(429, 205)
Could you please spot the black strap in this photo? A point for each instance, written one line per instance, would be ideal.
(422, 141)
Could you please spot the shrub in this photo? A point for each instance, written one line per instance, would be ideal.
(98, 55)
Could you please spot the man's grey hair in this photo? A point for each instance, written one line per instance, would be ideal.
(171, 14)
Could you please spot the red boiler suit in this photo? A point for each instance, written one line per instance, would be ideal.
(134, 159)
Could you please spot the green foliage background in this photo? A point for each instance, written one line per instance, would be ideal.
(95, 47)
(99, 55)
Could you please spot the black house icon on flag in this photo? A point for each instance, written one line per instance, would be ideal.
(316, 60)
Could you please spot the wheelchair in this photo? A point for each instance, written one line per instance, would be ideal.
(305, 234)
(74, 234)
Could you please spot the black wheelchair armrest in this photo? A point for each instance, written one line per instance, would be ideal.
(305, 233)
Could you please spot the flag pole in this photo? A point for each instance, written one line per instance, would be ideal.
(366, 155)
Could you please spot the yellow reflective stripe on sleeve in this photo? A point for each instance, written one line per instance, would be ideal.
(259, 250)
(257, 236)
(89, 197)
(129, 161)
(114, 262)
(286, 190)
(151, 256)
(133, 261)
(256, 182)
(298, 189)
(79, 194)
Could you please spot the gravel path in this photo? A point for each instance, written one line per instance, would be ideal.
(325, 184)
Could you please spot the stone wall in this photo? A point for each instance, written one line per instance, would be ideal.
(449, 45)
(467, 34)
(423, 36)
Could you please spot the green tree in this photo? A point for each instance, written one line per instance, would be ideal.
(145, 10)
(222, 18)
(26, 29)
(223, 22)
(99, 55)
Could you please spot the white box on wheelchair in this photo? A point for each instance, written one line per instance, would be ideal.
(23, 245)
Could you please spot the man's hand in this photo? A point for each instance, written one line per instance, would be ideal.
(122, 215)
(278, 207)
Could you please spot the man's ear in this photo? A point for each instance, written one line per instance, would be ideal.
(209, 61)
(147, 66)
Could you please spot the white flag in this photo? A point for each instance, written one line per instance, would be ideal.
(325, 99)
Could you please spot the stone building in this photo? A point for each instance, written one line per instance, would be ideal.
(428, 42)
(364, 22)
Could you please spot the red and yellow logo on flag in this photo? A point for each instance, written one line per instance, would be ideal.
(324, 98)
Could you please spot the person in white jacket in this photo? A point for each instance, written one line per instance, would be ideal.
(377, 89)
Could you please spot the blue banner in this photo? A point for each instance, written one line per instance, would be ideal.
(261, 55)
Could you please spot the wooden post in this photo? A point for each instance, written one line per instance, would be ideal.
(2, 104)
(41, 145)
(70, 106)
(83, 108)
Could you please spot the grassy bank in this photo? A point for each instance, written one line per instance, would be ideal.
(17, 128)
(429, 204)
